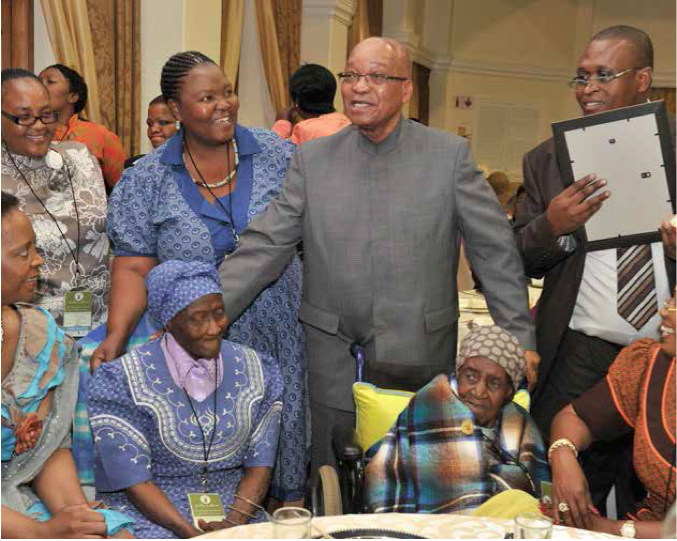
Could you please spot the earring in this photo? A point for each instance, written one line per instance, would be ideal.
(177, 124)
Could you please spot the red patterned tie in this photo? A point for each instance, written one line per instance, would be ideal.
(637, 301)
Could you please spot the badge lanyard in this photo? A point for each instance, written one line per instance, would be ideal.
(230, 214)
(206, 449)
(74, 254)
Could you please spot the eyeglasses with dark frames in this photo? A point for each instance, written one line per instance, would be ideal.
(581, 81)
(372, 79)
(29, 120)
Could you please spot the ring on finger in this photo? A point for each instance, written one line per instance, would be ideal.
(563, 507)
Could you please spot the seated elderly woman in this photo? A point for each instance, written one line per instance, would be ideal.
(637, 396)
(41, 495)
(187, 413)
(461, 441)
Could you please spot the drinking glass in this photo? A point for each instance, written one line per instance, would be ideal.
(291, 523)
(532, 526)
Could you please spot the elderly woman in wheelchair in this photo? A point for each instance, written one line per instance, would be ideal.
(463, 440)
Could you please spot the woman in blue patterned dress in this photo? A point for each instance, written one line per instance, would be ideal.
(186, 413)
(189, 200)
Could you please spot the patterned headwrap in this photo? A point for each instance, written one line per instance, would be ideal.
(494, 343)
(173, 285)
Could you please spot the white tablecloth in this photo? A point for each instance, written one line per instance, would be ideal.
(429, 526)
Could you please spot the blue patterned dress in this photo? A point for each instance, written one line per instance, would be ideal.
(145, 430)
(156, 210)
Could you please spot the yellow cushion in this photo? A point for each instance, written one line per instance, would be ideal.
(522, 398)
(376, 411)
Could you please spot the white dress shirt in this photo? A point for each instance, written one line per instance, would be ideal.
(596, 310)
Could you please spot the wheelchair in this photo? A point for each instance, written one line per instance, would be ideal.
(342, 492)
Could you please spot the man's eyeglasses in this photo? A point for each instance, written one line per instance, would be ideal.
(581, 81)
(29, 120)
(372, 79)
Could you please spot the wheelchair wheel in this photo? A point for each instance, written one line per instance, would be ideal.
(327, 493)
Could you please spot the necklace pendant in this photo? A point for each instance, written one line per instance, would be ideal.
(236, 237)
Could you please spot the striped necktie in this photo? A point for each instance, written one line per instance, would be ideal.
(637, 301)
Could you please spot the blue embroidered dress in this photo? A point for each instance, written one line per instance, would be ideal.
(145, 430)
(156, 210)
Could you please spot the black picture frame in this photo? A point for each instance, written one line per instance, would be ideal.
(656, 108)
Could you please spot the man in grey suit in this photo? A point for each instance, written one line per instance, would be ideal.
(381, 208)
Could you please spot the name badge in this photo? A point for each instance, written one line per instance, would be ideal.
(77, 315)
(205, 506)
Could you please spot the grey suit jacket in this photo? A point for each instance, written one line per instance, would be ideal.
(381, 226)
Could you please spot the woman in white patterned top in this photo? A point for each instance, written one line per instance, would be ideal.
(61, 189)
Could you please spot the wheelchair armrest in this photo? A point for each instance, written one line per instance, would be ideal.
(348, 452)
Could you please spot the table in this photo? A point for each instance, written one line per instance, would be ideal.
(473, 309)
(449, 526)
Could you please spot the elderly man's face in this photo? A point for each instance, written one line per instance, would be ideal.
(610, 57)
(199, 327)
(375, 108)
(485, 388)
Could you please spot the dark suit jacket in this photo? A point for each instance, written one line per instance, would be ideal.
(543, 257)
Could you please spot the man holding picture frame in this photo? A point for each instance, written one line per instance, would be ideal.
(581, 321)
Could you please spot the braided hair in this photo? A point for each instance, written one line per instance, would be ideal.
(176, 69)
(76, 85)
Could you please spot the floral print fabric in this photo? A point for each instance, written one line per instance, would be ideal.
(52, 185)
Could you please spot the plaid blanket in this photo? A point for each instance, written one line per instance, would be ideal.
(436, 460)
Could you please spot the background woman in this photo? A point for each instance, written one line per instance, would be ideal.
(637, 396)
(41, 495)
(185, 413)
(189, 201)
(161, 125)
(68, 95)
(312, 88)
(60, 188)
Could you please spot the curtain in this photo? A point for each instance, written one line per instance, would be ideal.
(359, 30)
(667, 94)
(115, 28)
(232, 18)
(71, 38)
(288, 26)
(270, 54)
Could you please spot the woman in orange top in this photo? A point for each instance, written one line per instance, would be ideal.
(312, 115)
(68, 96)
(637, 395)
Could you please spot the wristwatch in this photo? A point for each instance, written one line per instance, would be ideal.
(628, 529)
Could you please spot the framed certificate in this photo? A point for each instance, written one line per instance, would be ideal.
(632, 149)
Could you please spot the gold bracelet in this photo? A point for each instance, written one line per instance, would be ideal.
(232, 523)
(233, 508)
(562, 442)
(248, 501)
